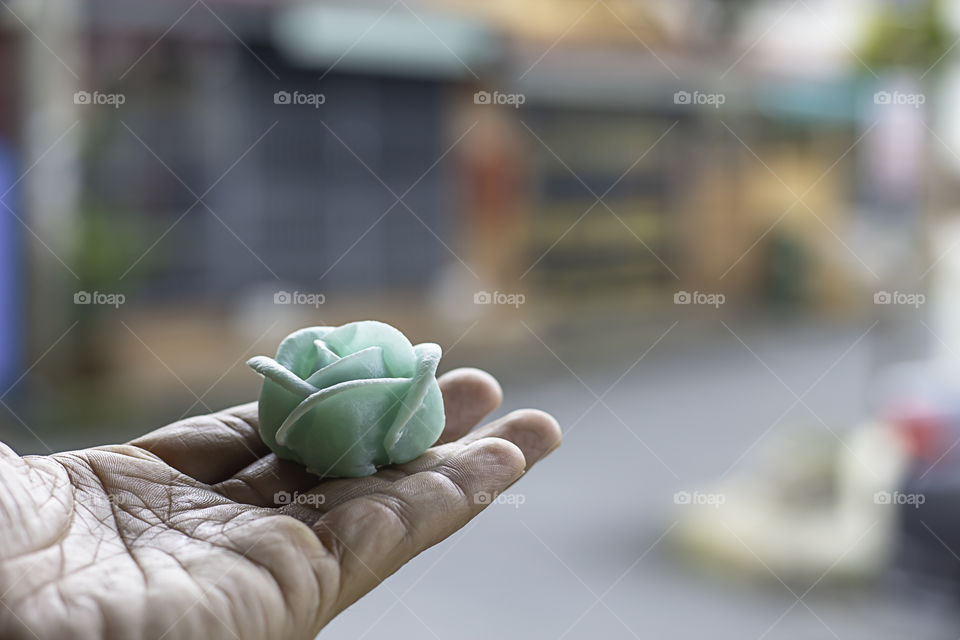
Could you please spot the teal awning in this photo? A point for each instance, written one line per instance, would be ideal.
(388, 40)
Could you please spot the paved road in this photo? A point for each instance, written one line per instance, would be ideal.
(575, 558)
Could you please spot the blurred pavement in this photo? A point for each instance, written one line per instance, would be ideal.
(586, 531)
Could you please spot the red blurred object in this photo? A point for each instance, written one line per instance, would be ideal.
(922, 427)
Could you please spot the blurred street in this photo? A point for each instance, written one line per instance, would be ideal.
(596, 519)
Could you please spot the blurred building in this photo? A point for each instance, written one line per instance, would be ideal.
(603, 157)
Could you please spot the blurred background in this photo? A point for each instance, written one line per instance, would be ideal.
(715, 238)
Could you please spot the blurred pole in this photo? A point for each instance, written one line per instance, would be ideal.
(893, 175)
(732, 13)
(11, 287)
(944, 229)
(721, 152)
(52, 63)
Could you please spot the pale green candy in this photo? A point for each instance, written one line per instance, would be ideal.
(344, 400)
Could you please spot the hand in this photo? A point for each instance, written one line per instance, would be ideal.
(177, 534)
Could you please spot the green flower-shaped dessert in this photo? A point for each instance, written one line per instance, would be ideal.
(344, 400)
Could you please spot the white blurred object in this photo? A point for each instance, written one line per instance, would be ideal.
(945, 291)
(806, 38)
(767, 526)
(451, 295)
(266, 306)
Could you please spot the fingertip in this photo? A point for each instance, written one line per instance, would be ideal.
(468, 395)
(479, 376)
(541, 433)
(495, 459)
(536, 433)
(476, 380)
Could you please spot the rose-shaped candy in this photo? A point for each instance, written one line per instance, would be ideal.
(344, 400)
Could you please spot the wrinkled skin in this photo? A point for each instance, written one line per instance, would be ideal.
(176, 534)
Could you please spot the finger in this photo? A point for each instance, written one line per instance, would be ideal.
(534, 432)
(209, 448)
(468, 395)
(375, 535)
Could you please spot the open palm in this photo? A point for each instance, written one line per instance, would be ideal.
(179, 534)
